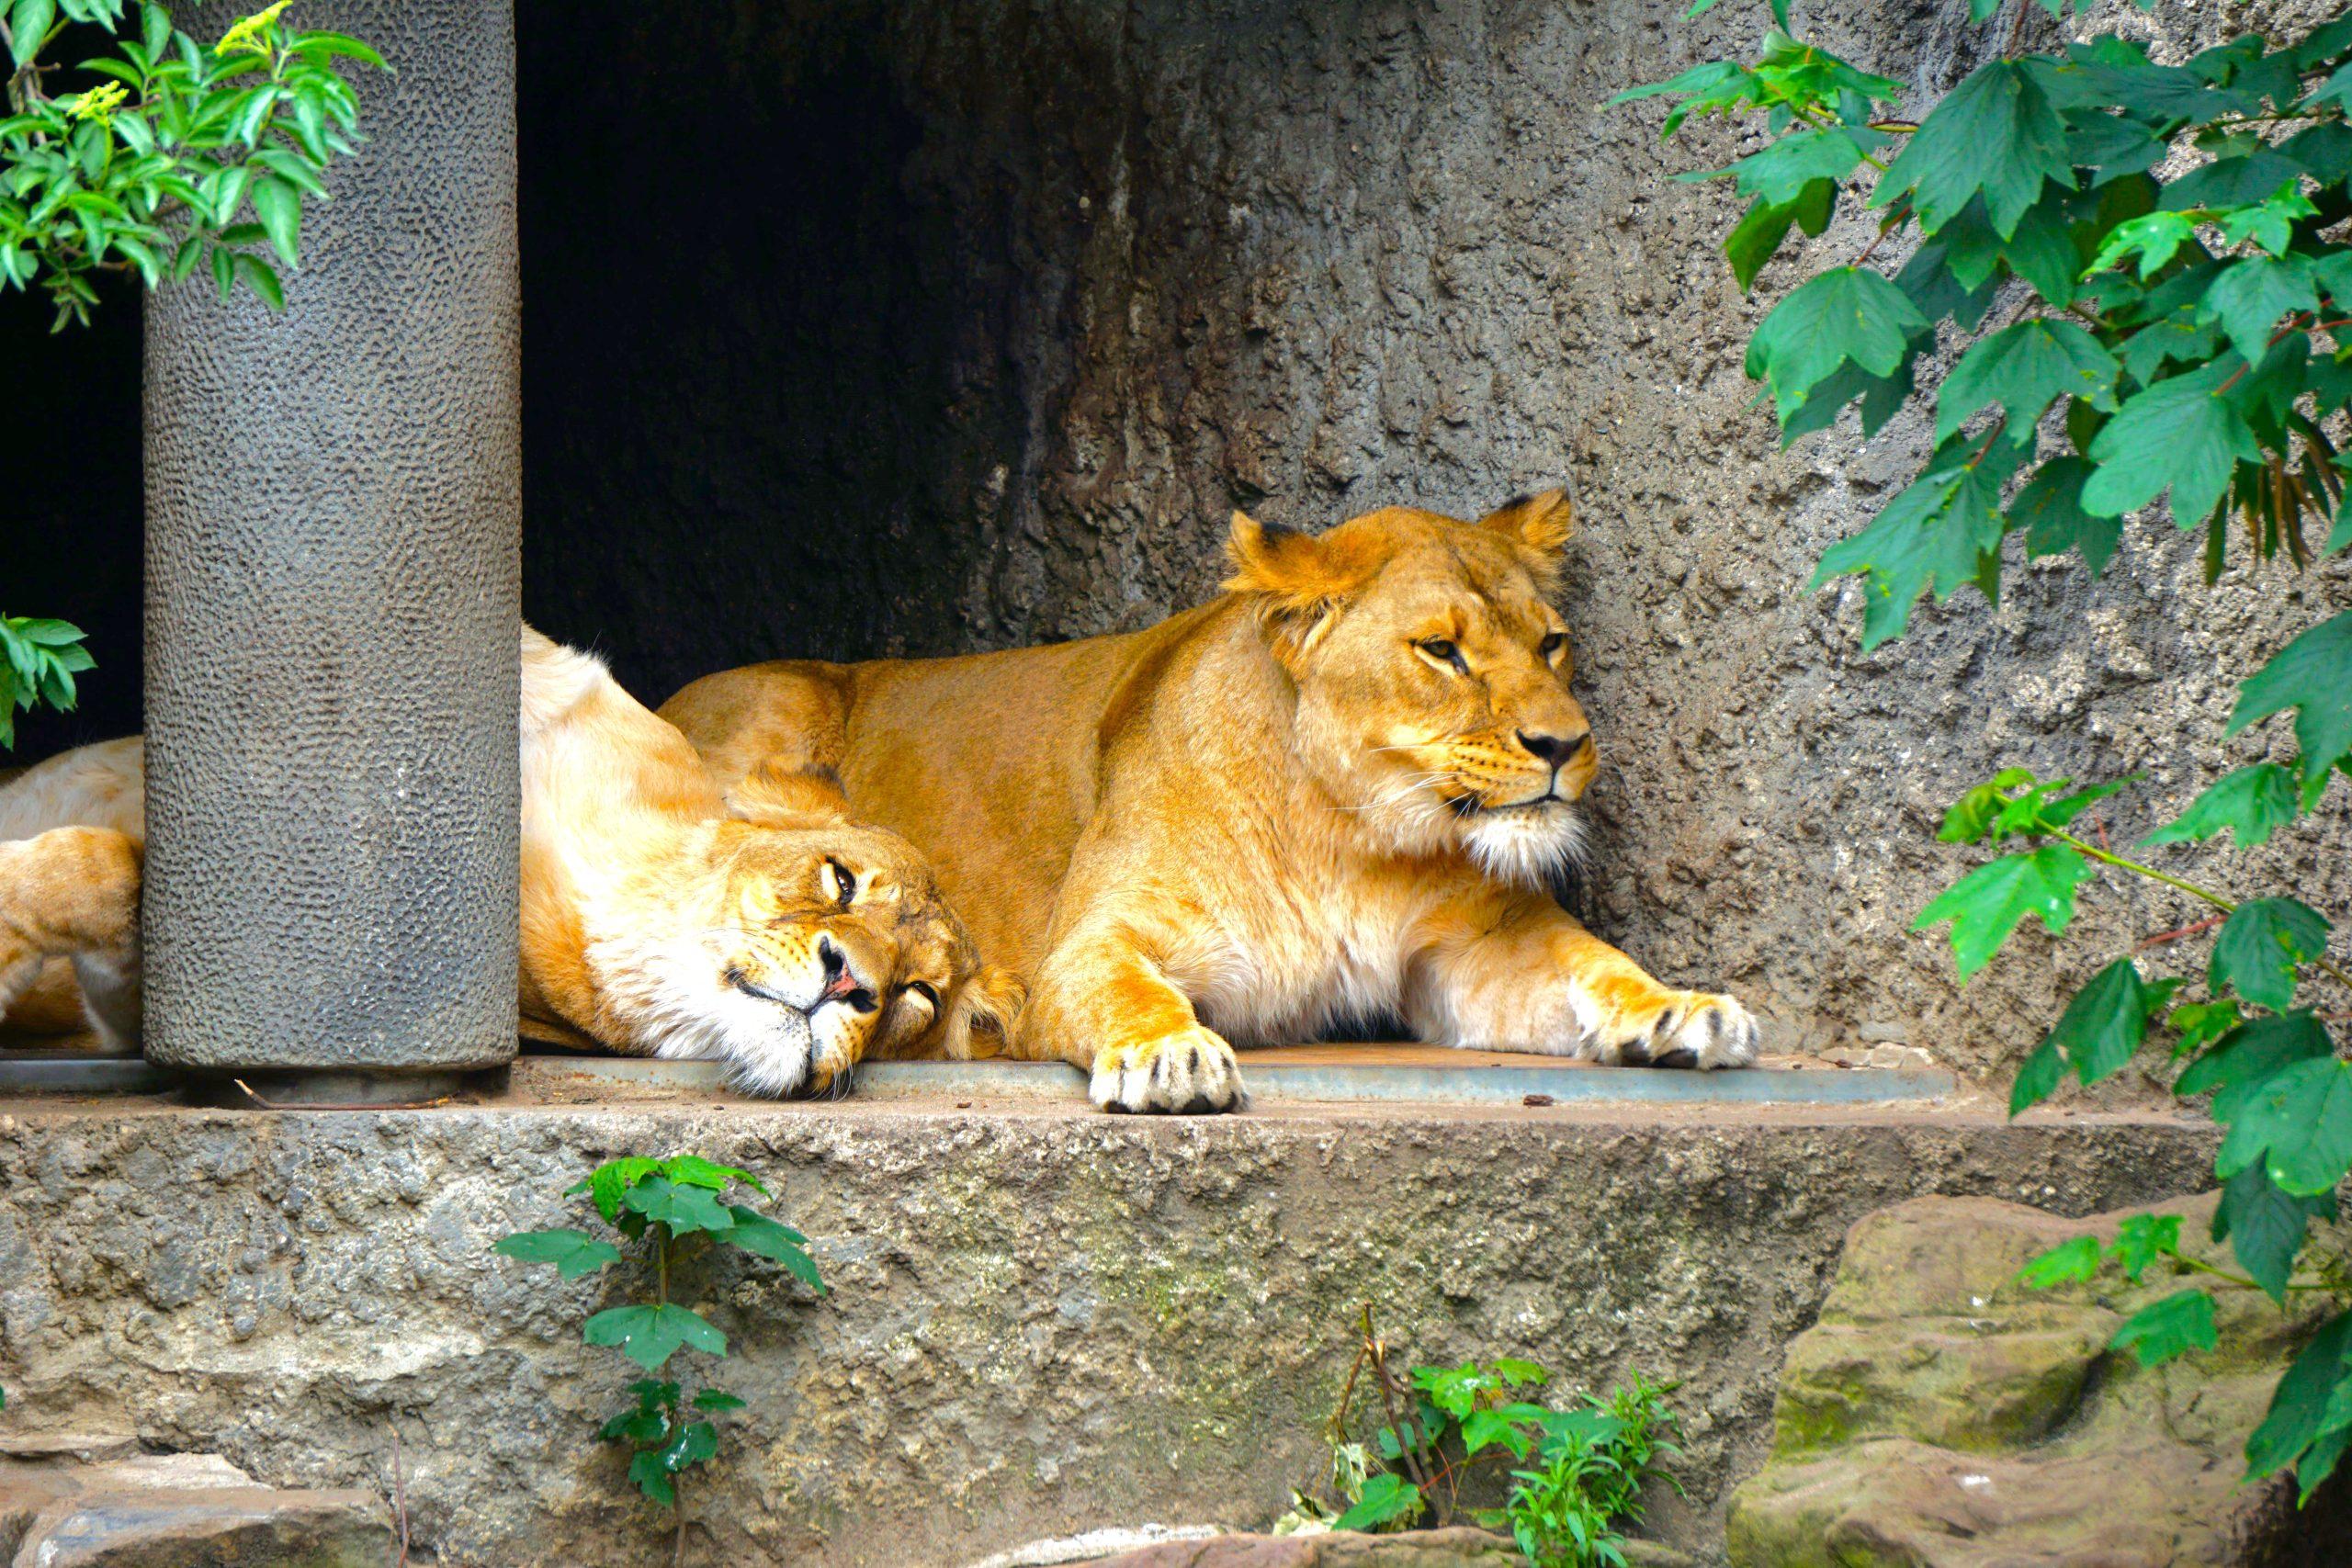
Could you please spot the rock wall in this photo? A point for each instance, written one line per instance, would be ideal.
(1041, 1321)
(1043, 290)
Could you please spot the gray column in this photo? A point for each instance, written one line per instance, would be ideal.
(333, 510)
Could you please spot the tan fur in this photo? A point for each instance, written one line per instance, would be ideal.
(1259, 817)
(659, 917)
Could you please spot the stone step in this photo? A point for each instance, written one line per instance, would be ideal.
(175, 1511)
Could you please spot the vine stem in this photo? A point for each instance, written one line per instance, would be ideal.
(2226, 905)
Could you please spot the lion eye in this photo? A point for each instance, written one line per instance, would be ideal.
(839, 885)
(1552, 644)
(1445, 652)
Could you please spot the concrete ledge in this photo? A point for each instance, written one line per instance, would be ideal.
(1042, 1320)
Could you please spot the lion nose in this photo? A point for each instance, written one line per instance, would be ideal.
(1556, 750)
(841, 982)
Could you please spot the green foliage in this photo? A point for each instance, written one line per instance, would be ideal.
(668, 1209)
(1581, 1468)
(2145, 269)
(181, 157)
(39, 660)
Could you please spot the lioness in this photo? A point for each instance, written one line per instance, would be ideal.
(659, 917)
(1333, 792)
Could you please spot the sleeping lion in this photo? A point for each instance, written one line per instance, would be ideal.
(1333, 793)
(762, 929)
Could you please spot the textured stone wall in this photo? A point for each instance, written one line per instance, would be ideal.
(1047, 287)
(1040, 1320)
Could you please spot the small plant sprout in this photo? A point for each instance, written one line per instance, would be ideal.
(668, 1211)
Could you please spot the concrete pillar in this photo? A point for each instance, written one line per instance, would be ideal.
(334, 510)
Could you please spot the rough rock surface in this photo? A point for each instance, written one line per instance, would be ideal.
(1459, 1548)
(58, 1509)
(1045, 288)
(1942, 1416)
(1041, 1321)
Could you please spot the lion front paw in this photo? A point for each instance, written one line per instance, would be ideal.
(1189, 1073)
(1678, 1029)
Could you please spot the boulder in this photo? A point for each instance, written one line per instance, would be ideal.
(1940, 1414)
(175, 1511)
(1457, 1547)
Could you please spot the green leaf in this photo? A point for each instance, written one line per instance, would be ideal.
(684, 1209)
(1971, 816)
(1942, 532)
(755, 1233)
(650, 1336)
(2249, 805)
(573, 1253)
(258, 273)
(2265, 1226)
(2038, 1079)
(2261, 946)
(652, 1479)
(1986, 906)
(2103, 1026)
(716, 1399)
(29, 23)
(693, 1170)
(2050, 510)
(605, 1184)
(2299, 1120)
(278, 204)
(2069, 1263)
(2299, 1406)
(2248, 1057)
(1520, 1374)
(2174, 1326)
(2201, 1023)
(1486, 1429)
(1997, 133)
(694, 1442)
(1453, 1390)
(2143, 1239)
(2180, 434)
(1386, 1499)
(1782, 172)
(2251, 295)
(2154, 237)
(1846, 314)
(2022, 368)
(2245, 181)
(1758, 235)
(2313, 675)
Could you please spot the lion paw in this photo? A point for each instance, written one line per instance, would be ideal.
(1680, 1029)
(1190, 1073)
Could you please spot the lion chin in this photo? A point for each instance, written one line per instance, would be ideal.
(1529, 846)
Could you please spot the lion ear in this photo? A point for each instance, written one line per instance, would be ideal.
(1543, 522)
(776, 794)
(981, 1014)
(1300, 574)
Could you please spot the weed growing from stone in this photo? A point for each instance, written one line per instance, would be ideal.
(2145, 265)
(668, 1210)
(1443, 1426)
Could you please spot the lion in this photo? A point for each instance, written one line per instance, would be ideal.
(758, 927)
(1334, 793)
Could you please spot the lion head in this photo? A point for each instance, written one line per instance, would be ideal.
(1432, 676)
(807, 942)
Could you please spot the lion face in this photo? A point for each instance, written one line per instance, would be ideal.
(815, 942)
(1432, 676)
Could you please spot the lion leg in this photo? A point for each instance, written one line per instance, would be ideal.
(73, 892)
(1104, 1005)
(1540, 982)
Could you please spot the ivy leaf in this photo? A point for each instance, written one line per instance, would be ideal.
(2022, 368)
(2174, 1326)
(2249, 805)
(693, 1170)
(755, 1233)
(2050, 510)
(2245, 181)
(2180, 434)
(2251, 295)
(1986, 906)
(2154, 237)
(652, 1479)
(1384, 1499)
(573, 1253)
(1847, 314)
(695, 1442)
(1518, 1373)
(1997, 133)
(650, 1336)
(1484, 1429)
(2103, 1026)
(2249, 1056)
(2299, 1121)
(684, 1209)
(2143, 1238)
(1941, 532)
(1758, 235)
(2260, 947)
(2313, 675)
(2038, 1079)
(2265, 1226)
(2200, 1023)
(2299, 1406)
(2069, 1263)
(716, 1399)
(1781, 171)
(605, 1184)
